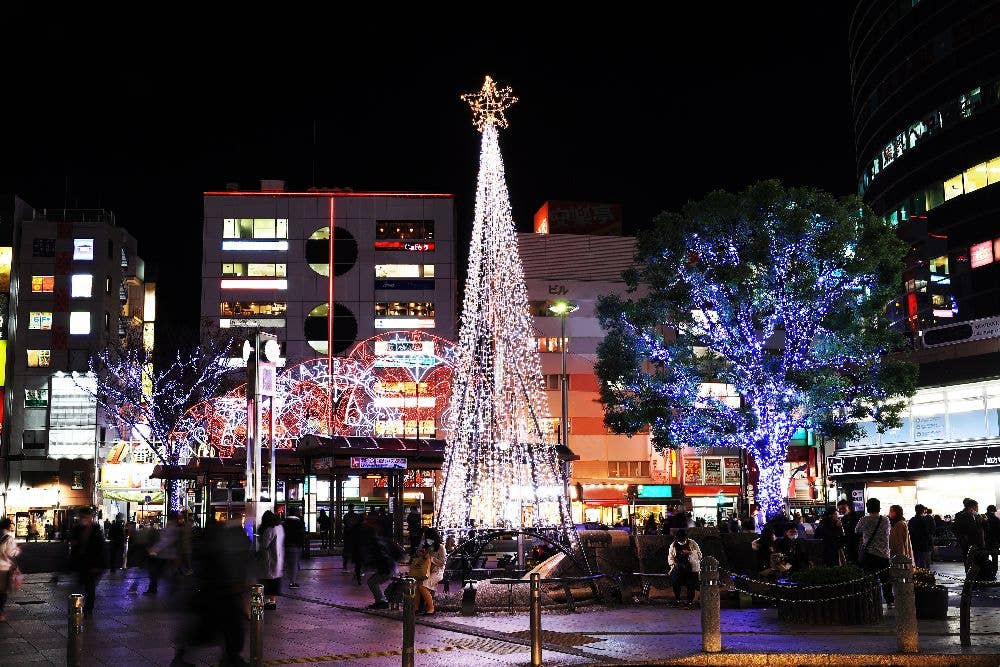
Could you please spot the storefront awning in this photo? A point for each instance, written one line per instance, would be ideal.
(928, 459)
(604, 496)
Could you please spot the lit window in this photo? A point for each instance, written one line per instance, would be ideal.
(552, 344)
(240, 269)
(250, 323)
(939, 265)
(975, 178)
(981, 254)
(42, 283)
(124, 260)
(953, 187)
(81, 285)
(79, 322)
(107, 284)
(251, 308)
(255, 245)
(404, 309)
(993, 171)
(255, 228)
(404, 230)
(40, 320)
(404, 323)
(404, 270)
(83, 249)
(39, 358)
(43, 248)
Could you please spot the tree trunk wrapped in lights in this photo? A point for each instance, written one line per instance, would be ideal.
(501, 467)
(780, 294)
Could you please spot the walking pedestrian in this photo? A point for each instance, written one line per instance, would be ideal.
(8, 552)
(352, 520)
(921, 537)
(164, 554)
(873, 555)
(295, 540)
(271, 551)
(899, 534)
(87, 556)
(436, 556)
(323, 523)
(117, 538)
(382, 554)
(684, 559)
(831, 535)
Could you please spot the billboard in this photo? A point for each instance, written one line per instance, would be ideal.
(578, 217)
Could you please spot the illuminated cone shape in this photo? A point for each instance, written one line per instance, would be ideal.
(501, 467)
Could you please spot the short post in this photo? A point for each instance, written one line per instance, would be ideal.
(907, 636)
(74, 634)
(257, 625)
(711, 622)
(965, 615)
(535, 621)
(409, 619)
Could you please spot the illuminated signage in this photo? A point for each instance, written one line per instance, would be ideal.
(383, 347)
(404, 402)
(255, 245)
(255, 283)
(404, 322)
(411, 246)
(6, 257)
(981, 254)
(378, 463)
(250, 322)
(656, 491)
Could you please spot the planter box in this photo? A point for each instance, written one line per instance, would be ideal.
(831, 606)
(932, 602)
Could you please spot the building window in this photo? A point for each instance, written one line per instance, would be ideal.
(255, 228)
(254, 283)
(40, 320)
(83, 249)
(43, 248)
(249, 308)
(242, 270)
(107, 284)
(107, 323)
(619, 469)
(79, 322)
(552, 381)
(34, 439)
(36, 398)
(81, 285)
(43, 283)
(39, 358)
(124, 258)
(404, 309)
(552, 344)
(79, 480)
(404, 270)
(404, 230)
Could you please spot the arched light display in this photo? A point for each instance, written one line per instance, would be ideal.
(396, 384)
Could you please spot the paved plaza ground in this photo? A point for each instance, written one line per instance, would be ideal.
(324, 622)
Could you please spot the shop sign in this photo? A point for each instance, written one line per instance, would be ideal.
(713, 471)
(932, 459)
(378, 463)
(656, 491)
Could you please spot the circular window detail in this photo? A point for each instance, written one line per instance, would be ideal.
(345, 251)
(345, 328)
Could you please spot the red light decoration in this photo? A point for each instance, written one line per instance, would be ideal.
(338, 398)
(405, 245)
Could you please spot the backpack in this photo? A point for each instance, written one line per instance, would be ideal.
(682, 563)
(394, 592)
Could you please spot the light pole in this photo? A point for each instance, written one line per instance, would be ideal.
(562, 310)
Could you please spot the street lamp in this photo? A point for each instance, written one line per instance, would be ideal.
(562, 310)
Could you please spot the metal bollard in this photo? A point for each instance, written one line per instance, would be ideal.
(907, 636)
(257, 625)
(535, 620)
(711, 622)
(409, 619)
(74, 634)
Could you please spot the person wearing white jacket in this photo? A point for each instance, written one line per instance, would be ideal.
(684, 559)
(271, 546)
(8, 552)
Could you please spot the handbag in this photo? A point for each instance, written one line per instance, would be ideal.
(865, 557)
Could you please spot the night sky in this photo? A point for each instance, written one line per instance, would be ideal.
(141, 114)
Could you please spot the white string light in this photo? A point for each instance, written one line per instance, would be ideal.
(501, 467)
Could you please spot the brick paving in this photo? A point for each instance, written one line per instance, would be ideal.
(324, 622)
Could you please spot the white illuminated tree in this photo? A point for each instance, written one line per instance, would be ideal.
(501, 467)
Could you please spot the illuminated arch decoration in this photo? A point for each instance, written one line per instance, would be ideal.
(395, 384)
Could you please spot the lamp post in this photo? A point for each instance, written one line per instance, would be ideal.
(562, 310)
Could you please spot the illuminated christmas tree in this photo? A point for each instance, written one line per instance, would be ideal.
(501, 467)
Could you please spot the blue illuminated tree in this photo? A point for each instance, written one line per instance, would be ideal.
(779, 293)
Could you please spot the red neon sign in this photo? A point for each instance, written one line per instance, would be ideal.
(404, 245)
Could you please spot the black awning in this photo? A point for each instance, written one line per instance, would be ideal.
(958, 458)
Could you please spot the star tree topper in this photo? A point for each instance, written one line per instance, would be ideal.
(489, 104)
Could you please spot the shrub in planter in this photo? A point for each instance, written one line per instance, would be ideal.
(847, 596)
(931, 599)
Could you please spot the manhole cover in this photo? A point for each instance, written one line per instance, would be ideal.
(492, 646)
(558, 638)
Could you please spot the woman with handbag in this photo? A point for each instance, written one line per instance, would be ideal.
(9, 572)
(873, 551)
(438, 556)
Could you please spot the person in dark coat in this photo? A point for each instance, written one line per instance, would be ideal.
(352, 520)
(849, 521)
(295, 541)
(323, 523)
(116, 535)
(830, 532)
(921, 537)
(88, 556)
(970, 531)
(415, 529)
